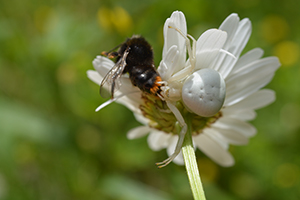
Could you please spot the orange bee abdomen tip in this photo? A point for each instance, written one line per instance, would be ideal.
(156, 85)
(158, 79)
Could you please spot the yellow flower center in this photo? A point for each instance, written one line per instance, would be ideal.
(161, 118)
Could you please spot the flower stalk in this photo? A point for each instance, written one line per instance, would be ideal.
(191, 164)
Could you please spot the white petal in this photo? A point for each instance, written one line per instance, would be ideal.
(230, 25)
(249, 57)
(102, 65)
(138, 132)
(208, 47)
(131, 101)
(214, 150)
(265, 65)
(225, 63)
(158, 140)
(251, 79)
(244, 115)
(140, 118)
(211, 39)
(241, 37)
(94, 76)
(215, 135)
(127, 86)
(122, 99)
(257, 100)
(207, 59)
(239, 93)
(128, 95)
(238, 34)
(173, 37)
(232, 136)
(237, 125)
(105, 104)
(166, 67)
(171, 148)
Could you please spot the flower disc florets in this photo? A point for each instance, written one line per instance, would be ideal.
(161, 118)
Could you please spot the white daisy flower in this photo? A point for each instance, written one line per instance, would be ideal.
(219, 89)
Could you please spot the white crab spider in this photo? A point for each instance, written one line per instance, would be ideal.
(202, 92)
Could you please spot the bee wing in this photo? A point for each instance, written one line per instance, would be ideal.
(112, 78)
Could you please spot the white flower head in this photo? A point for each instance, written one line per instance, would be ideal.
(219, 90)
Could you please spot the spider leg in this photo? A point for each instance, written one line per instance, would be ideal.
(192, 56)
(182, 133)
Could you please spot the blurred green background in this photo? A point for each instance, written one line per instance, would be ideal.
(54, 146)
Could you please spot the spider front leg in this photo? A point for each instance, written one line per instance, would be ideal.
(182, 133)
(192, 56)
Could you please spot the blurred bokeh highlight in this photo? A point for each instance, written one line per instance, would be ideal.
(54, 146)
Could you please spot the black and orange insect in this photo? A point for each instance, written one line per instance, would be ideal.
(135, 57)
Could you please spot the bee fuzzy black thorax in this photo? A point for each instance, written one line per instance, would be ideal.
(140, 52)
(135, 57)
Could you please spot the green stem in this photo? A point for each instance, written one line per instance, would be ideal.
(191, 165)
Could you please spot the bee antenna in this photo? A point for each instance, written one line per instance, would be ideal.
(111, 53)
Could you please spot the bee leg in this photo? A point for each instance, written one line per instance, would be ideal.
(182, 133)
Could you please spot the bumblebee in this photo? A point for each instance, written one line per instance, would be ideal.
(135, 57)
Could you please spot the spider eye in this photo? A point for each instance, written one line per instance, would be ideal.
(204, 92)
